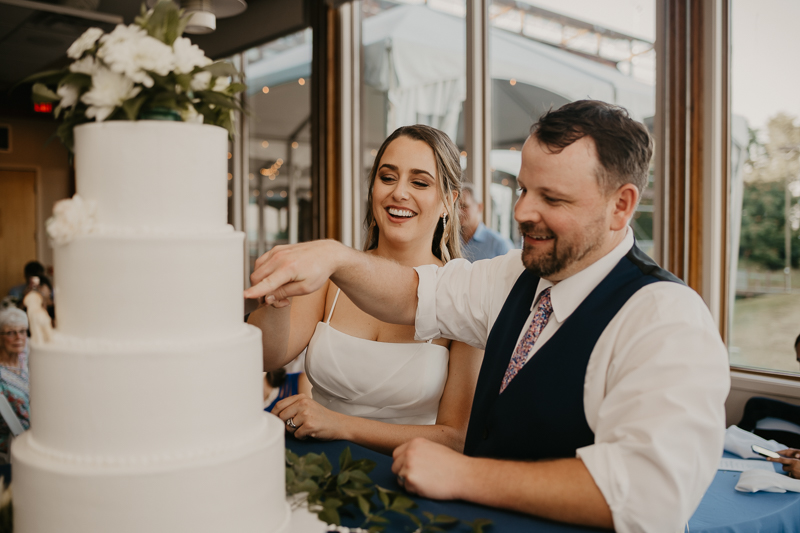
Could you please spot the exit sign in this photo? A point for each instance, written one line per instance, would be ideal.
(43, 107)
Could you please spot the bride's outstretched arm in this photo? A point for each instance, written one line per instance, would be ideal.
(286, 331)
(382, 288)
(314, 420)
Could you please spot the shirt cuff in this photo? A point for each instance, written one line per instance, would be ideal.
(425, 323)
(609, 472)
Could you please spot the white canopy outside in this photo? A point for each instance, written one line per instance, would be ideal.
(417, 56)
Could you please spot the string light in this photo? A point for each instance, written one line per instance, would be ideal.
(512, 81)
(373, 152)
(255, 192)
(264, 144)
(464, 153)
(251, 176)
(230, 155)
(230, 193)
(230, 176)
(513, 148)
(283, 194)
(504, 182)
(270, 194)
(295, 145)
(301, 81)
(265, 89)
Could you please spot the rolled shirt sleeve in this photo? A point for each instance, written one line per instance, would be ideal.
(456, 301)
(656, 406)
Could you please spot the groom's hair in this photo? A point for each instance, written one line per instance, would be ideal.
(624, 148)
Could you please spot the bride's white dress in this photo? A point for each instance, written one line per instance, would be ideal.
(399, 383)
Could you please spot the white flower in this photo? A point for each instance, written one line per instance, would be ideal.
(201, 81)
(71, 217)
(134, 57)
(68, 94)
(188, 56)
(121, 34)
(109, 90)
(221, 83)
(84, 42)
(87, 65)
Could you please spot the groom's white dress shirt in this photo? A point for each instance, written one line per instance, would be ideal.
(655, 385)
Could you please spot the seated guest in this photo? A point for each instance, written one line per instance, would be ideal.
(601, 398)
(372, 383)
(33, 269)
(14, 369)
(478, 241)
(790, 461)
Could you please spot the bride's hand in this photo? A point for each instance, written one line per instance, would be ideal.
(309, 418)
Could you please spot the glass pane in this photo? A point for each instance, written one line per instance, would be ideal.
(765, 185)
(279, 170)
(414, 71)
(554, 52)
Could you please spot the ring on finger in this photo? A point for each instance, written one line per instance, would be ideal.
(401, 480)
(290, 423)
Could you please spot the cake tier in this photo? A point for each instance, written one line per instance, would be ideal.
(150, 286)
(95, 400)
(154, 173)
(240, 489)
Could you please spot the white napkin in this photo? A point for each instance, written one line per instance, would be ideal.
(756, 480)
(738, 441)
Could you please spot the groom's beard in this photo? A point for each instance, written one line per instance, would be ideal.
(561, 252)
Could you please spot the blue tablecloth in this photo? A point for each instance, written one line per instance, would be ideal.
(723, 509)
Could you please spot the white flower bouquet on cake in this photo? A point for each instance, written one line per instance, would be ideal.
(142, 71)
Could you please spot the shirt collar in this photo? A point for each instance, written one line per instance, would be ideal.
(480, 233)
(568, 294)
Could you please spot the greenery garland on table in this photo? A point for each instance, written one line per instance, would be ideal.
(331, 495)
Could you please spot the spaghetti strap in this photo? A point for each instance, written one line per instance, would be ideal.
(333, 305)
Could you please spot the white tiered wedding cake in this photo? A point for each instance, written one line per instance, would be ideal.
(146, 406)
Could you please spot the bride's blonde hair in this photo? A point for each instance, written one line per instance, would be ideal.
(446, 243)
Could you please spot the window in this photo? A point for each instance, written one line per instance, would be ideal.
(765, 185)
(278, 209)
(414, 71)
(554, 52)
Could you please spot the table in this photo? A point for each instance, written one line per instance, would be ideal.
(722, 510)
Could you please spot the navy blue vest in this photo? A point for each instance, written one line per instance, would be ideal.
(540, 414)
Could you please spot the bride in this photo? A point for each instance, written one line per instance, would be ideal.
(372, 383)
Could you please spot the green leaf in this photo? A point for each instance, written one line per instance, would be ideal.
(291, 457)
(478, 525)
(290, 477)
(366, 465)
(218, 99)
(402, 503)
(384, 498)
(221, 69)
(330, 516)
(132, 106)
(314, 470)
(445, 519)
(428, 515)
(359, 477)
(363, 504)
(345, 458)
(83, 81)
(332, 502)
(307, 486)
(42, 94)
(379, 519)
(235, 87)
(342, 478)
(376, 529)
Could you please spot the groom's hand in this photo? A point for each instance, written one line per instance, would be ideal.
(430, 469)
(293, 270)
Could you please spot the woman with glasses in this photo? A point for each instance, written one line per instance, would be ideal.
(14, 369)
(373, 384)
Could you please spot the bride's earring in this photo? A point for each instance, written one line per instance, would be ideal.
(444, 222)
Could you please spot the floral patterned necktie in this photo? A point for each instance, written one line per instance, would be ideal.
(538, 323)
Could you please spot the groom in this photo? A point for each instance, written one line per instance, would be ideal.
(601, 396)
